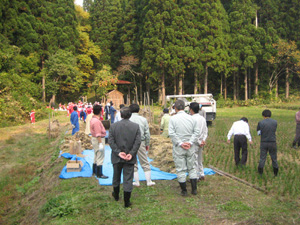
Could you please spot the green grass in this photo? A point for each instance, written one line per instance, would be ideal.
(218, 151)
(32, 193)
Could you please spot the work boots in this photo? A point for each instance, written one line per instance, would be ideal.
(148, 179)
(183, 189)
(127, 199)
(136, 179)
(194, 186)
(94, 169)
(116, 192)
(100, 174)
(275, 170)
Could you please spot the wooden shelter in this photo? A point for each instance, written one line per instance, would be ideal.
(124, 82)
(116, 97)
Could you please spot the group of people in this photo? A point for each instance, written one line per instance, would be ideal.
(188, 132)
(129, 139)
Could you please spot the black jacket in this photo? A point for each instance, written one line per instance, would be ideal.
(124, 136)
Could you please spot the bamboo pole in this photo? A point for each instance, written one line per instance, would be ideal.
(222, 173)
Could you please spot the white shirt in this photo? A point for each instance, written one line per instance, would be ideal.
(239, 128)
(118, 117)
(201, 123)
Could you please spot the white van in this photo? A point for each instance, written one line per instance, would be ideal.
(206, 100)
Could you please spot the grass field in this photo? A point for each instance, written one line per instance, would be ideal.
(32, 193)
(221, 155)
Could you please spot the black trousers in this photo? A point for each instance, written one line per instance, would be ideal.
(266, 147)
(240, 141)
(128, 170)
(297, 136)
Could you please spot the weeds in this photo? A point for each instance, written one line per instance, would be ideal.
(60, 206)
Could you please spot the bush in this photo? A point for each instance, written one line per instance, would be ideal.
(265, 98)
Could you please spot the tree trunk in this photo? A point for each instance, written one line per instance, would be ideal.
(234, 86)
(225, 88)
(256, 20)
(52, 100)
(180, 86)
(238, 85)
(195, 82)
(249, 83)
(163, 84)
(276, 89)
(141, 91)
(256, 79)
(175, 85)
(43, 83)
(205, 79)
(159, 94)
(246, 85)
(221, 86)
(148, 91)
(287, 83)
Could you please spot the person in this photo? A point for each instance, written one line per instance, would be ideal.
(106, 110)
(32, 116)
(297, 136)
(74, 120)
(124, 140)
(142, 153)
(98, 141)
(201, 123)
(112, 111)
(241, 131)
(184, 133)
(164, 124)
(89, 110)
(202, 112)
(87, 125)
(83, 113)
(267, 130)
(118, 114)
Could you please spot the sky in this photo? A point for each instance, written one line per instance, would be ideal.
(79, 2)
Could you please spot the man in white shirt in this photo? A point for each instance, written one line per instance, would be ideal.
(201, 123)
(241, 131)
(118, 114)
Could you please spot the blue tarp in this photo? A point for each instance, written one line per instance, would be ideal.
(156, 174)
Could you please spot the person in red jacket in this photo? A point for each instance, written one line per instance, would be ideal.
(32, 116)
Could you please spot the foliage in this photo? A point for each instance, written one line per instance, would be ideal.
(23, 189)
(60, 206)
(287, 57)
(104, 80)
(62, 73)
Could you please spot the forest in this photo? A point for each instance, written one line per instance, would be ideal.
(239, 50)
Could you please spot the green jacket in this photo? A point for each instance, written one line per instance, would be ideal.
(164, 125)
(144, 127)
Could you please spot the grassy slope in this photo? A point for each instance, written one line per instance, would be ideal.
(33, 193)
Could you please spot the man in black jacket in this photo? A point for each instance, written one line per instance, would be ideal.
(267, 130)
(124, 140)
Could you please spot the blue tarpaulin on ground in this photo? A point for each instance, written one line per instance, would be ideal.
(156, 173)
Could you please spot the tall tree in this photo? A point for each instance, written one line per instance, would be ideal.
(213, 41)
(244, 47)
(89, 53)
(105, 21)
